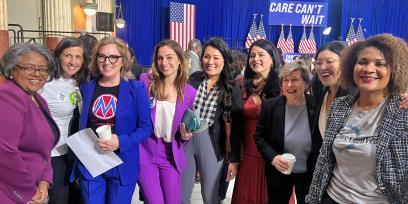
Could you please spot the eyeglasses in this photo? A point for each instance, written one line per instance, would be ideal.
(319, 63)
(112, 58)
(32, 70)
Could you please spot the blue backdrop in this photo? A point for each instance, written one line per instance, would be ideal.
(379, 16)
(147, 21)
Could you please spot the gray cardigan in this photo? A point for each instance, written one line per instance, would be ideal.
(391, 151)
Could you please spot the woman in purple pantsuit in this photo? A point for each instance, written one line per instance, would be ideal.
(162, 157)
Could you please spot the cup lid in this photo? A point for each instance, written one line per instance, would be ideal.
(289, 156)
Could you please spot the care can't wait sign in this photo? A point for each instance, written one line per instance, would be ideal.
(298, 13)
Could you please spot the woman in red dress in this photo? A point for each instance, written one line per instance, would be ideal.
(260, 82)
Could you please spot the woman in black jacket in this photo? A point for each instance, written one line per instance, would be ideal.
(218, 102)
(285, 126)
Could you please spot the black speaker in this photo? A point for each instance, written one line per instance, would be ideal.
(104, 21)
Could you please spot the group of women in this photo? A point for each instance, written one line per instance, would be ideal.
(349, 149)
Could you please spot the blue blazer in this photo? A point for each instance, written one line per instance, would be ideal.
(132, 126)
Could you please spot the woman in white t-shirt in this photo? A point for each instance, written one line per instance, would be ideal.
(63, 96)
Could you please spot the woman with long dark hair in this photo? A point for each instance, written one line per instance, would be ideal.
(218, 102)
(260, 83)
(62, 96)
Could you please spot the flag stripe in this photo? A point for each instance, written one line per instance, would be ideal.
(182, 23)
(251, 37)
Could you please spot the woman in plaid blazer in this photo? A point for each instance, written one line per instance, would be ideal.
(364, 156)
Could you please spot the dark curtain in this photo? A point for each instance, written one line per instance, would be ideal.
(379, 16)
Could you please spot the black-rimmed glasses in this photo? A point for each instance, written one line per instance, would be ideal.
(112, 58)
(32, 70)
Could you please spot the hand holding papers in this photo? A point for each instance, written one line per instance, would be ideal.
(96, 161)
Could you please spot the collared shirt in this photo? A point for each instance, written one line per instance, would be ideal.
(206, 102)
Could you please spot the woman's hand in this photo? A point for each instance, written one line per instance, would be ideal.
(41, 196)
(232, 171)
(109, 145)
(280, 163)
(404, 101)
(185, 134)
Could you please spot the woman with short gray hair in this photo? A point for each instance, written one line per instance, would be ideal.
(285, 126)
(27, 130)
(14, 54)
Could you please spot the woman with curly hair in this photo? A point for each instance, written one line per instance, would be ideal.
(364, 153)
(162, 154)
(218, 102)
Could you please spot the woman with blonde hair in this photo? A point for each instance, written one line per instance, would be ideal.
(112, 98)
(162, 154)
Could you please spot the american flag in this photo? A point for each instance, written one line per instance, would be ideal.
(182, 23)
(290, 44)
(311, 42)
(251, 37)
(360, 34)
(261, 30)
(351, 36)
(303, 42)
(282, 42)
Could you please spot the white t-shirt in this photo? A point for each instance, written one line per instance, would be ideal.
(62, 97)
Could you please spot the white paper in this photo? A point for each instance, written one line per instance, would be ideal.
(83, 144)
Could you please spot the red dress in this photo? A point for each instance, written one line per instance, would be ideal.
(250, 183)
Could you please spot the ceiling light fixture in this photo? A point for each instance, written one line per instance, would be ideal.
(120, 22)
(90, 9)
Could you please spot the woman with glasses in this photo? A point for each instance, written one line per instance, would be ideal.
(27, 130)
(218, 102)
(62, 96)
(112, 98)
(284, 126)
(326, 86)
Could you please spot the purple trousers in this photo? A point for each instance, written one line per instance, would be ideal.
(159, 181)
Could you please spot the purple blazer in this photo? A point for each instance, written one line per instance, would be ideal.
(148, 146)
(26, 141)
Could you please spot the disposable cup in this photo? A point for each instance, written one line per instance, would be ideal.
(80, 105)
(104, 132)
(291, 159)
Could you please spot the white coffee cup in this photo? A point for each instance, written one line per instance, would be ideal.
(80, 105)
(291, 159)
(104, 132)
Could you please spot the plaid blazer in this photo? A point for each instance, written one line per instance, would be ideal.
(391, 151)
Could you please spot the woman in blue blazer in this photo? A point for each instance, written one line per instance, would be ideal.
(115, 100)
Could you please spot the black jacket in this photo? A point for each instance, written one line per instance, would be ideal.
(217, 130)
(270, 135)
